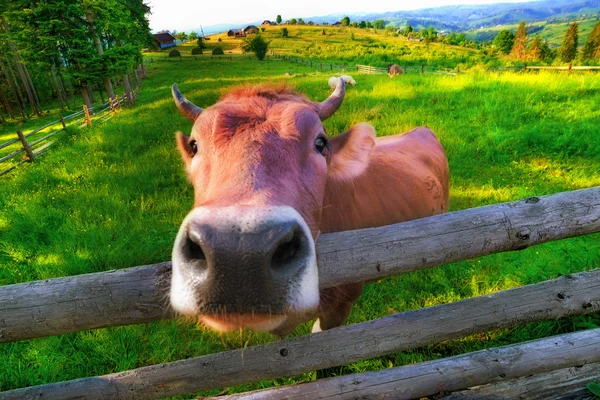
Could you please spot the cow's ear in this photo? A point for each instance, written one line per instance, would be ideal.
(183, 144)
(350, 152)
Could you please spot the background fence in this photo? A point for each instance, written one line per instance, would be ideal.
(136, 295)
(39, 146)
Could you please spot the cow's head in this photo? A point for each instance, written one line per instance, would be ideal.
(259, 161)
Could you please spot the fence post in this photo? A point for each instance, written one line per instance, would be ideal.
(26, 145)
(321, 66)
(86, 112)
(457, 69)
(62, 121)
(422, 69)
(343, 67)
(405, 69)
(330, 67)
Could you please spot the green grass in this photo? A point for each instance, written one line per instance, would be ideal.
(113, 196)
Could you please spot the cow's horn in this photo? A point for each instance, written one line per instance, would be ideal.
(328, 107)
(187, 108)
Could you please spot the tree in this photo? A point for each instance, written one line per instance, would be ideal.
(345, 21)
(591, 49)
(519, 49)
(258, 45)
(354, 24)
(201, 44)
(300, 21)
(293, 21)
(369, 24)
(379, 24)
(504, 41)
(284, 32)
(362, 25)
(181, 36)
(432, 33)
(569, 47)
(278, 19)
(192, 36)
(408, 29)
(538, 49)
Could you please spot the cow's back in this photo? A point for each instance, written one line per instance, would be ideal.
(407, 178)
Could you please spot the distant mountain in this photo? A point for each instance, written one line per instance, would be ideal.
(462, 17)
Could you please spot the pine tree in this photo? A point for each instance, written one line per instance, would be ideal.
(569, 47)
(519, 49)
(591, 49)
(538, 50)
(504, 41)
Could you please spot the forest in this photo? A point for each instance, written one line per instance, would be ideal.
(54, 52)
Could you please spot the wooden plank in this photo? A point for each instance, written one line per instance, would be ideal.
(6, 144)
(42, 128)
(434, 378)
(44, 138)
(26, 145)
(567, 383)
(11, 155)
(564, 67)
(566, 296)
(42, 149)
(88, 301)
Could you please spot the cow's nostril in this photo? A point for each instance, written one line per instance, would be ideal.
(192, 249)
(287, 250)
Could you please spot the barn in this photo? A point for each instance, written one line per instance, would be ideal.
(164, 40)
(230, 32)
(250, 29)
(268, 23)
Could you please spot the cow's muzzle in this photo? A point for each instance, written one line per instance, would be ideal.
(244, 266)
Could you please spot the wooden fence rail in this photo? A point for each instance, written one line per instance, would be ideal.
(449, 374)
(27, 147)
(137, 295)
(570, 295)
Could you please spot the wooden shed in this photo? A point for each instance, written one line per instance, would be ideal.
(164, 40)
(230, 32)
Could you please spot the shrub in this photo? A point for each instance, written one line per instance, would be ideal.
(284, 32)
(258, 45)
(219, 40)
(263, 29)
(217, 51)
(196, 50)
(174, 53)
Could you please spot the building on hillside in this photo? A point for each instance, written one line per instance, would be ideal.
(230, 32)
(337, 24)
(310, 23)
(240, 33)
(250, 29)
(164, 40)
(268, 23)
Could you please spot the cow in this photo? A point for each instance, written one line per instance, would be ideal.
(394, 69)
(268, 180)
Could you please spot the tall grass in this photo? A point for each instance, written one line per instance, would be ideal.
(113, 196)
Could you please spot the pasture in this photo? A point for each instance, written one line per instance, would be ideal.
(113, 196)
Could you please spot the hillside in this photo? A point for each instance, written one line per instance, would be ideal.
(553, 32)
(354, 45)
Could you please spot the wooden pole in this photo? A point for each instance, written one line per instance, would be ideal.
(26, 145)
(86, 112)
(428, 379)
(136, 295)
(566, 296)
(62, 121)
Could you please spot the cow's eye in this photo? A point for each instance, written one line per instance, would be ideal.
(321, 144)
(193, 147)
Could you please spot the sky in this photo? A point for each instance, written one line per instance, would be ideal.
(185, 15)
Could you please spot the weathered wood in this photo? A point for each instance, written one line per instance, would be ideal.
(433, 378)
(29, 310)
(26, 145)
(11, 155)
(567, 383)
(86, 112)
(566, 296)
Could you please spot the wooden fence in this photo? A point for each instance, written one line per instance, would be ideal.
(40, 146)
(136, 295)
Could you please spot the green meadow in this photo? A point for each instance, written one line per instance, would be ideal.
(113, 196)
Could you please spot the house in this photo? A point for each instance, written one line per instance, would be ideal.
(240, 33)
(164, 40)
(310, 23)
(268, 23)
(250, 29)
(337, 24)
(230, 32)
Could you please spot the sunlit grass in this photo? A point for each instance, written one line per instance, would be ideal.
(113, 196)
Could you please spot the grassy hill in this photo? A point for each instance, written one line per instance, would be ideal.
(348, 45)
(553, 32)
(113, 196)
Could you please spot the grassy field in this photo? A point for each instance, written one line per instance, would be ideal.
(348, 45)
(113, 196)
